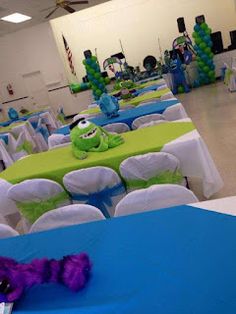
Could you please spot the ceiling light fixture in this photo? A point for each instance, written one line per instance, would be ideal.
(16, 18)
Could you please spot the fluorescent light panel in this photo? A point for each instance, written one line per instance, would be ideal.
(16, 18)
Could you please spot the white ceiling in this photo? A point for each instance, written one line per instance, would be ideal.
(33, 8)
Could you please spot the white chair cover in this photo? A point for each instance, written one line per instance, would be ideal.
(7, 206)
(148, 102)
(117, 127)
(97, 186)
(126, 107)
(55, 140)
(175, 112)
(35, 190)
(38, 191)
(5, 155)
(145, 119)
(67, 216)
(155, 197)
(7, 232)
(79, 116)
(147, 166)
(166, 96)
(148, 124)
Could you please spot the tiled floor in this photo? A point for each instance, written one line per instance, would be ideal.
(213, 110)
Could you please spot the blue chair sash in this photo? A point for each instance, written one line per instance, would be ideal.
(101, 199)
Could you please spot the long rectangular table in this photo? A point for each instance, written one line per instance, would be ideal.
(178, 138)
(176, 260)
(54, 164)
(128, 116)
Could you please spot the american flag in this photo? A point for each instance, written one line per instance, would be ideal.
(69, 56)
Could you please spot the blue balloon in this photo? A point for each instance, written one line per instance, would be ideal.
(201, 33)
(197, 28)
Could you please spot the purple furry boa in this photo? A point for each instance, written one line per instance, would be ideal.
(73, 271)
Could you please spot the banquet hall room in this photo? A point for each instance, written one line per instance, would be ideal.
(117, 156)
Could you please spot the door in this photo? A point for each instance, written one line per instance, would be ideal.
(36, 89)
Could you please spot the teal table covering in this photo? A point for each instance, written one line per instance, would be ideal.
(127, 116)
(173, 261)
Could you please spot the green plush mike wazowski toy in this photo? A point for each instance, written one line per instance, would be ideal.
(88, 137)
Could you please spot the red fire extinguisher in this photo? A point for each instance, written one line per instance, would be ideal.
(10, 89)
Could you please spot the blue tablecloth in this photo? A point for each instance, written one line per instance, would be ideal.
(127, 116)
(172, 261)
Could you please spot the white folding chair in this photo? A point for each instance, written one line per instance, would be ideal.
(67, 216)
(144, 170)
(7, 232)
(175, 112)
(56, 140)
(35, 197)
(145, 119)
(117, 127)
(97, 186)
(155, 197)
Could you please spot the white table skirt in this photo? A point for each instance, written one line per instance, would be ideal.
(196, 161)
(226, 205)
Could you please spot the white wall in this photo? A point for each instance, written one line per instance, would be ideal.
(29, 50)
(138, 23)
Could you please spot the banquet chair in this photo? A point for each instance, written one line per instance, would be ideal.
(67, 216)
(145, 119)
(7, 231)
(148, 102)
(79, 116)
(36, 196)
(175, 112)
(155, 197)
(117, 127)
(151, 123)
(56, 140)
(166, 96)
(97, 186)
(8, 208)
(126, 107)
(142, 171)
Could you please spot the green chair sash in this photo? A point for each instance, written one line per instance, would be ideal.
(33, 210)
(26, 146)
(166, 177)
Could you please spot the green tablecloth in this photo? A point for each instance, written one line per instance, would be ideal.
(135, 101)
(11, 126)
(54, 164)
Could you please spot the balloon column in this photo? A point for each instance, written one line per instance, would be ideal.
(98, 83)
(203, 44)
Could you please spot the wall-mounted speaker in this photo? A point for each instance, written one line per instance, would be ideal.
(217, 42)
(181, 25)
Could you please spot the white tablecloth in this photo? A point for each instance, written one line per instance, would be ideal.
(225, 205)
(196, 161)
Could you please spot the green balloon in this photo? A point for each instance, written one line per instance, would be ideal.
(84, 62)
(91, 71)
(208, 31)
(98, 92)
(204, 26)
(94, 58)
(206, 69)
(180, 89)
(97, 76)
(207, 50)
(194, 34)
(211, 73)
(198, 59)
(202, 45)
(211, 55)
(201, 64)
(197, 40)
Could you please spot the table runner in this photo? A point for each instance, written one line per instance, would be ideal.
(172, 261)
(54, 164)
